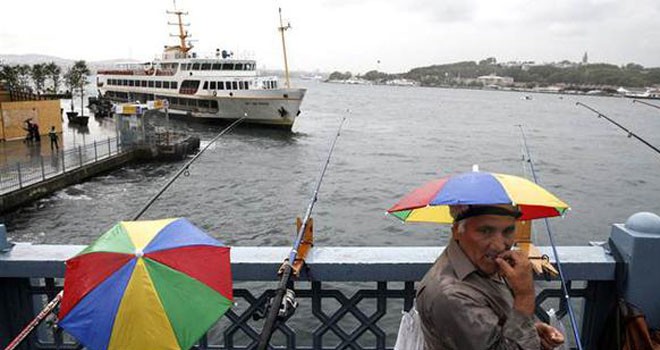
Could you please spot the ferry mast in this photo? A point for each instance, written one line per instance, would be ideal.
(183, 34)
(282, 28)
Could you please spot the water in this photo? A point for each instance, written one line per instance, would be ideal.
(248, 188)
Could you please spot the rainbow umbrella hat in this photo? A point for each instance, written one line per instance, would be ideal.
(146, 285)
(430, 203)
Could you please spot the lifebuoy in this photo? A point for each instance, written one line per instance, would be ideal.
(215, 93)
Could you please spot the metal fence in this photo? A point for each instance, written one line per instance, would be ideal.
(348, 304)
(39, 168)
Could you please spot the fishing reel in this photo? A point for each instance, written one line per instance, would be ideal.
(286, 308)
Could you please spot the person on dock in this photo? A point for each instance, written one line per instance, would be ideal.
(35, 132)
(479, 294)
(29, 137)
(52, 134)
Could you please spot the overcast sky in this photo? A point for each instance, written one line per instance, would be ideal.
(344, 35)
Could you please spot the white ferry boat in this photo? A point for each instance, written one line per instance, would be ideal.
(215, 88)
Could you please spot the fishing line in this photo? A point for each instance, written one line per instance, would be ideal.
(647, 103)
(184, 169)
(571, 314)
(630, 133)
(58, 298)
(278, 304)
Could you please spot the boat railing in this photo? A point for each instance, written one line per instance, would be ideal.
(349, 297)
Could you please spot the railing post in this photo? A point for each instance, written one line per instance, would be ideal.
(20, 181)
(43, 172)
(80, 155)
(96, 157)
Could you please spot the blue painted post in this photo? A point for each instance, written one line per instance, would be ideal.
(638, 243)
(5, 245)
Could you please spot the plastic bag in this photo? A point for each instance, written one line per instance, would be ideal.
(555, 322)
(410, 335)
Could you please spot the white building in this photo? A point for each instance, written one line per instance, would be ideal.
(495, 80)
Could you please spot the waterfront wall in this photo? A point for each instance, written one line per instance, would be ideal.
(13, 115)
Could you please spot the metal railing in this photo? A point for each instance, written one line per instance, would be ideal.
(354, 302)
(40, 168)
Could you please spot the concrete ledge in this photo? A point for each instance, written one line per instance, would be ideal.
(325, 263)
(33, 192)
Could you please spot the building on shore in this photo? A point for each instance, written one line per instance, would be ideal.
(493, 79)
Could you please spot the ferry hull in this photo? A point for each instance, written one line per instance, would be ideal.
(277, 108)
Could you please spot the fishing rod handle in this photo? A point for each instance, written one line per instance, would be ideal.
(273, 310)
(35, 322)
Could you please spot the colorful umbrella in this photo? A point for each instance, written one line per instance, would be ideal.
(430, 203)
(146, 285)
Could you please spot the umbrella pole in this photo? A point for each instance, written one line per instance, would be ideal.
(275, 312)
(571, 314)
(56, 301)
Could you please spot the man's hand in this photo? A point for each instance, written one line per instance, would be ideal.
(517, 270)
(550, 336)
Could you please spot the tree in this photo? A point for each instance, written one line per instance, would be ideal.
(54, 73)
(10, 76)
(23, 72)
(340, 76)
(38, 75)
(76, 79)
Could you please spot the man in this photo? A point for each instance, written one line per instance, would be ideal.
(52, 134)
(479, 294)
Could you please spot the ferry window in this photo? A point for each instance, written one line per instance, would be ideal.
(206, 85)
(195, 66)
(173, 84)
(130, 83)
(204, 103)
(174, 100)
(159, 84)
(275, 84)
(221, 85)
(213, 85)
(206, 66)
(166, 85)
(234, 85)
(143, 83)
(228, 66)
(228, 85)
(214, 104)
(151, 83)
(238, 66)
(184, 66)
(216, 66)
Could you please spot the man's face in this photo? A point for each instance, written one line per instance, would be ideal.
(483, 238)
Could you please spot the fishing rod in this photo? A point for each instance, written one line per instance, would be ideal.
(562, 279)
(630, 133)
(282, 307)
(646, 103)
(48, 309)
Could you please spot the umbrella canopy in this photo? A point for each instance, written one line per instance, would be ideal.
(430, 203)
(146, 285)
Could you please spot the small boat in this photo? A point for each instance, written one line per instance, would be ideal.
(74, 118)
